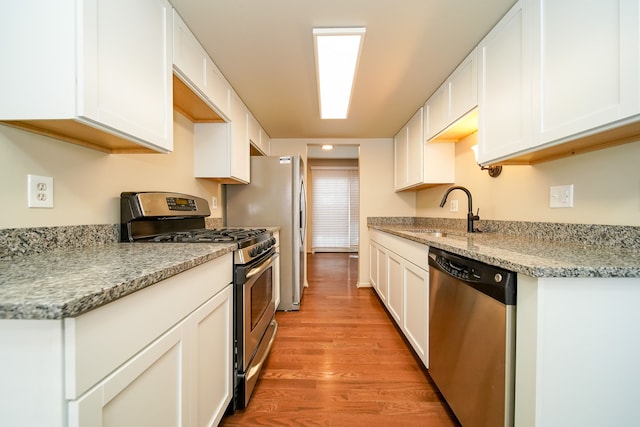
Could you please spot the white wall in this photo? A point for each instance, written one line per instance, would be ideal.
(606, 188)
(87, 183)
(377, 197)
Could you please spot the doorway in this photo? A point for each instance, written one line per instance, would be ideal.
(333, 199)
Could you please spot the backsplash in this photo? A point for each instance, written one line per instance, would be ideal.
(16, 242)
(584, 234)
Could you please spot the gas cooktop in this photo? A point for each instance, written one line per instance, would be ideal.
(217, 235)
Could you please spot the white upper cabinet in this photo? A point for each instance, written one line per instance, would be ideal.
(585, 71)
(222, 150)
(260, 141)
(503, 96)
(91, 72)
(265, 142)
(415, 149)
(418, 164)
(189, 57)
(463, 87)
(241, 147)
(559, 78)
(453, 100)
(216, 89)
(408, 153)
(210, 97)
(435, 112)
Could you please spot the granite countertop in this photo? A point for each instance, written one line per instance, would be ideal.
(524, 255)
(68, 282)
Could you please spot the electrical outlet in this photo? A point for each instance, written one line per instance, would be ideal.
(453, 205)
(561, 196)
(214, 202)
(39, 191)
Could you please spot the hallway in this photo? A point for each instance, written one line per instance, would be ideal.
(339, 361)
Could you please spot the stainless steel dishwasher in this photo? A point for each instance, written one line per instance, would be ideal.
(472, 309)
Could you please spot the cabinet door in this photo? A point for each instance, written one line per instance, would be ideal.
(462, 88)
(416, 309)
(240, 146)
(395, 299)
(415, 154)
(189, 57)
(435, 111)
(265, 142)
(400, 152)
(146, 391)
(585, 65)
(408, 153)
(503, 95)
(217, 89)
(373, 265)
(254, 130)
(222, 150)
(124, 68)
(383, 274)
(211, 368)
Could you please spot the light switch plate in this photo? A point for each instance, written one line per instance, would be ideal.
(561, 196)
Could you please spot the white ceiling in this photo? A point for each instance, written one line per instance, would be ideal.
(265, 50)
(315, 151)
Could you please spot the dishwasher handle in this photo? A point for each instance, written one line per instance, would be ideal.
(496, 282)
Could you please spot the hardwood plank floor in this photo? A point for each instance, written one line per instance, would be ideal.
(340, 361)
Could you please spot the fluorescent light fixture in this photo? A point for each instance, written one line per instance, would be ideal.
(327, 147)
(337, 53)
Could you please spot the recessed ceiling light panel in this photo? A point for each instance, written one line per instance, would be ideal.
(337, 53)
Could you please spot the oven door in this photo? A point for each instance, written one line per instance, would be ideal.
(258, 306)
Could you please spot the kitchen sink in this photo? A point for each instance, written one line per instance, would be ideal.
(433, 233)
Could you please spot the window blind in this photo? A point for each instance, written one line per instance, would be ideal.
(335, 209)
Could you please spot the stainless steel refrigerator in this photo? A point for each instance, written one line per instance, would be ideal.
(276, 198)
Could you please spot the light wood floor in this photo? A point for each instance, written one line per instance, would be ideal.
(339, 361)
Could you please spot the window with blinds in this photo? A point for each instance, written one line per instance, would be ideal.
(335, 209)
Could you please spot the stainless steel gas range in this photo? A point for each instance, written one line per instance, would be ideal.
(162, 217)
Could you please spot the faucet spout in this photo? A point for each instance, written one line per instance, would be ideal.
(470, 216)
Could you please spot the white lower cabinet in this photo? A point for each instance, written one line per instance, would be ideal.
(183, 378)
(146, 391)
(395, 300)
(577, 352)
(161, 356)
(373, 265)
(415, 283)
(378, 270)
(400, 277)
(210, 331)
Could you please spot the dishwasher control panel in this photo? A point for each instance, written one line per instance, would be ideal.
(496, 282)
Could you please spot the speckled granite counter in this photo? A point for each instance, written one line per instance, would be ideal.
(524, 254)
(68, 282)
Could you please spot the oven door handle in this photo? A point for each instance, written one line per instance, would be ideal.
(262, 267)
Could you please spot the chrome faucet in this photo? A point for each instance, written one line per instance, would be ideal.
(470, 216)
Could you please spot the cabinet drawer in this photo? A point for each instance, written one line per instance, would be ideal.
(98, 342)
(414, 252)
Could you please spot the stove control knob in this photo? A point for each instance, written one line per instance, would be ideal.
(253, 251)
(272, 241)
